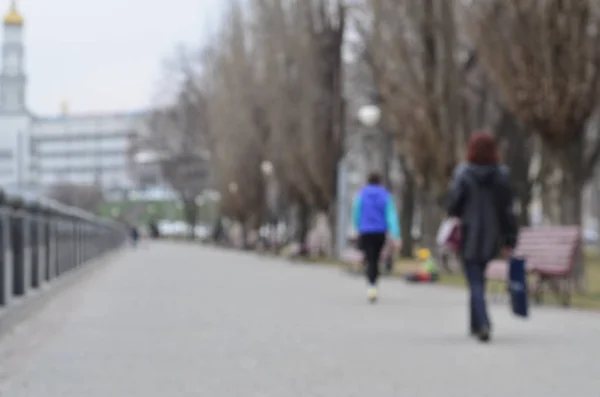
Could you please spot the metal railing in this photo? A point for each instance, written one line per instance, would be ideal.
(41, 240)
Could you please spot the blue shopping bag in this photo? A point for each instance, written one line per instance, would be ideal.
(517, 278)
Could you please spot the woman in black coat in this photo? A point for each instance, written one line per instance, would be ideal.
(482, 197)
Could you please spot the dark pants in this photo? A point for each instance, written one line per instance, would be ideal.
(475, 273)
(371, 245)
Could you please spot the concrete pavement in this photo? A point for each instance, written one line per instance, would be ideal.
(177, 320)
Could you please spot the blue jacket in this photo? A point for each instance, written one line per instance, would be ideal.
(374, 211)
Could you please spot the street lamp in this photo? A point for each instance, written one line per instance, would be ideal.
(267, 168)
(369, 115)
(147, 157)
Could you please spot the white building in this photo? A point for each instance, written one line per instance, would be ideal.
(36, 151)
(85, 150)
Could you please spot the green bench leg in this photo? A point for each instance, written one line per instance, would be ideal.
(562, 288)
(538, 290)
(567, 291)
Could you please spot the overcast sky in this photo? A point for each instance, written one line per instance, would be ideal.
(105, 55)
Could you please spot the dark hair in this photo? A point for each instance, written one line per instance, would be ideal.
(374, 178)
(482, 149)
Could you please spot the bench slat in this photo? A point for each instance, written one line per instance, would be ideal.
(547, 250)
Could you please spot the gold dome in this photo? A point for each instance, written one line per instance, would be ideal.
(13, 17)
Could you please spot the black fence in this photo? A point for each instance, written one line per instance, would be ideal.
(41, 240)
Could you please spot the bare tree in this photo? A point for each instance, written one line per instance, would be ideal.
(301, 49)
(238, 126)
(484, 110)
(178, 137)
(363, 25)
(544, 57)
(412, 48)
(280, 69)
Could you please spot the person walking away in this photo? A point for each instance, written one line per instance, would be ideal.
(153, 228)
(374, 217)
(135, 235)
(481, 196)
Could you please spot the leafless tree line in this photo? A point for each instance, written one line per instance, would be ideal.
(274, 81)
(526, 69)
(272, 87)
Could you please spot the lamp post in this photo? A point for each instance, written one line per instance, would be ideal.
(370, 116)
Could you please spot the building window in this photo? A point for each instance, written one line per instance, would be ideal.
(6, 154)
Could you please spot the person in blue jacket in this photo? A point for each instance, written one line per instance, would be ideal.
(374, 217)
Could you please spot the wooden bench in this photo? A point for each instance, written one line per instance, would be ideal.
(550, 254)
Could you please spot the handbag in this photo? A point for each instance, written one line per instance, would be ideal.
(517, 286)
(449, 235)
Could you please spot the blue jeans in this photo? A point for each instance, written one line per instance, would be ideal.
(475, 273)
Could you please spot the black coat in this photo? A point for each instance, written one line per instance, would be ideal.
(482, 197)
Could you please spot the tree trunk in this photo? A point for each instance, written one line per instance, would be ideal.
(407, 213)
(551, 180)
(524, 199)
(518, 152)
(333, 226)
(571, 215)
(549, 190)
(432, 217)
(190, 213)
(596, 204)
(303, 226)
(245, 244)
(571, 195)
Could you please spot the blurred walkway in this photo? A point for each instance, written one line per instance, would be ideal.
(176, 320)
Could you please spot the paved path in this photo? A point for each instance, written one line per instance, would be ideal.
(170, 320)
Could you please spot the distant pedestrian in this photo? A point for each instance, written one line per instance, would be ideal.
(481, 196)
(218, 232)
(154, 232)
(374, 217)
(135, 235)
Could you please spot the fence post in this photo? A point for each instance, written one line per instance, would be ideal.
(41, 239)
(34, 255)
(5, 257)
(17, 233)
(60, 263)
(51, 244)
(41, 247)
(73, 245)
(27, 271)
